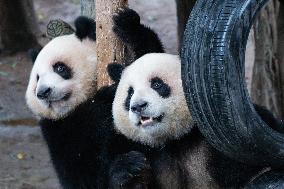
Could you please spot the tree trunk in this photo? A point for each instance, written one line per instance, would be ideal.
(109, 48)
(280, 56)
(266, 81)
(88, 8)
(184, 8)
(18, 25)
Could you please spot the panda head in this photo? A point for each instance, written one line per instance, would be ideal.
(149, 105)
(64, 73)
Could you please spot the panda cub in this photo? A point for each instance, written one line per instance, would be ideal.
(61, 91)
(150, 108)
(75, 119)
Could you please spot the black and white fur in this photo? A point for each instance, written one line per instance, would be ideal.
(150, 108)
(63, 75)
(76, 120)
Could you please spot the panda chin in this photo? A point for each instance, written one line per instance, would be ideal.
(145, 121)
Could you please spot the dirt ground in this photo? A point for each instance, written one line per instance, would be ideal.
(24, 160)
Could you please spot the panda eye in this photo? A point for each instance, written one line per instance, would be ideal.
(61, 69)
(160, 87)
(156, 85)
(37, 77)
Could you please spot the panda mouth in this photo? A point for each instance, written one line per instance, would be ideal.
(149, 121)
(64, 98)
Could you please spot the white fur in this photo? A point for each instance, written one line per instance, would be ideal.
(80, 56)
(177, 119)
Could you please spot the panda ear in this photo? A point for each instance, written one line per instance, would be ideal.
(85, 27)
(32, 53)
(115, 70)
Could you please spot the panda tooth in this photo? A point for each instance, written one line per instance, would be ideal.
(149, 120)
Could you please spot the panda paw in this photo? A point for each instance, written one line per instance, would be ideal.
(125, 21)
(130, 170)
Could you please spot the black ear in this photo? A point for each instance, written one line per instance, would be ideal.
(33, 54)
(115, 70)
(85, 27)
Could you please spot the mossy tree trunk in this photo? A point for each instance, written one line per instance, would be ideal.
(18, 25)
(267, 80)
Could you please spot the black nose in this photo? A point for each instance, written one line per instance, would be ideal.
(43, 93)
(139, 107)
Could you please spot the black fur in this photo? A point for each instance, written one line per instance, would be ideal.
(63, 70)
(170, 166)
(85, 27)
(76, 144)
(83, 145)
(33, 54)
(130, 92)
(129, 174)
(160, 87)
(115, 70)
(188, 162)
(139, 38)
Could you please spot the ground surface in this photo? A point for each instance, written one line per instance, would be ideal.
(24, 160)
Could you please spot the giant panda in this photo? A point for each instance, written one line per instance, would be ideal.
(75, 119)
(150, 108)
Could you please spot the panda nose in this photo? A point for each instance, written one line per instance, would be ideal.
(139, 107)
(43, 92)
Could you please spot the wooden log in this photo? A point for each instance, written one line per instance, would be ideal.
(109, 48)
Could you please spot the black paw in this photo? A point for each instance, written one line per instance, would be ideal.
(130, 170)
(125, 21)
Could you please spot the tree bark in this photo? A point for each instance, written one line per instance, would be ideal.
(88, 8)
(266, 80)
(280, 56)
(109, 48)
(184, 8)
(18, 25)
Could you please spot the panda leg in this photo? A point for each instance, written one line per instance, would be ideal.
(130, 170)
(136, 36)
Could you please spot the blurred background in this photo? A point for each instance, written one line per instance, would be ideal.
(24, 161)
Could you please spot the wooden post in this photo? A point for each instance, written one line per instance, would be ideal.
(266, 81)
(109, 48)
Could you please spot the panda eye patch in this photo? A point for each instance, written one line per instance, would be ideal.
(160, 87)
(37, 77)
(130, 92)
(61, 69)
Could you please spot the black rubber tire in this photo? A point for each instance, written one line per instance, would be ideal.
(213, 73)
(271, 180)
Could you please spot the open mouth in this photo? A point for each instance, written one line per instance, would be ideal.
(149, 121)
